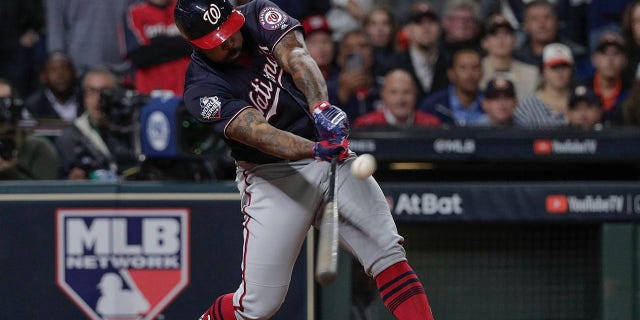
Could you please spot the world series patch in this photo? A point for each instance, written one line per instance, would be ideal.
(273, 19)
(122, 263)
(210, 107)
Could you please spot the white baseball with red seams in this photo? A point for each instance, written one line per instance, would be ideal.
(363, 166)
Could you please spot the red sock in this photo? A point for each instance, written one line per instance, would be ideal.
(222, 309)
(403, 294)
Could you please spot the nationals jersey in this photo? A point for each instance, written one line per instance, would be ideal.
(217, 93)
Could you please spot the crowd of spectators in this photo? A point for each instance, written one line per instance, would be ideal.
(454, 63)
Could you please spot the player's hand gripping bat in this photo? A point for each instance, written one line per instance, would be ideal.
(327, 255)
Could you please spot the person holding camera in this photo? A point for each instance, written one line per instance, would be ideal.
(22, 156)
(354, 87)
(91, 148)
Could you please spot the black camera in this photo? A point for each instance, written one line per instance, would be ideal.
(122, 105)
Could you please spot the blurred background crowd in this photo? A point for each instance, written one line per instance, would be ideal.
(74, 74)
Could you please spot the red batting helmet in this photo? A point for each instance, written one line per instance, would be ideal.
(207, 23)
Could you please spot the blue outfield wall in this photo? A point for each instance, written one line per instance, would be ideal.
(178, 246)
(33, 284)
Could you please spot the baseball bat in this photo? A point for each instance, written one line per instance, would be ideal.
(327, 255)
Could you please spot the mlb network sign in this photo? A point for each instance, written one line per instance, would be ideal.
(122, 264)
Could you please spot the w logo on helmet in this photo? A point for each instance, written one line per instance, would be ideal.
(213, 15)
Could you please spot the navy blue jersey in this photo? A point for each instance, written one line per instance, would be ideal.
(217, 93)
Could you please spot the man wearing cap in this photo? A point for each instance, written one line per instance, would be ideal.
(252, 78)
(321, 47)
(499, 42)
(610, 59)
(423, 58)
(499, 103)
(585, 108)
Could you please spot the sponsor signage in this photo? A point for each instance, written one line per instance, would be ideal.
(118, 264)
(513, 202)
(594, 203)
(506, 144)
(567, 146)
(428, 204)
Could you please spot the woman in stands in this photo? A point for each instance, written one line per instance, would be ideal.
(548, 106)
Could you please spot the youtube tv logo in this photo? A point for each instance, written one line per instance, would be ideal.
(557, 204)
(542, 146)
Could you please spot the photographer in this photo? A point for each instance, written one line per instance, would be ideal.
(22, 156)
(96, 147)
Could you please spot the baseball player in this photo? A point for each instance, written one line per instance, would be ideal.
(252, 77)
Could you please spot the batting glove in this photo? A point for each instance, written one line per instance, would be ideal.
(331, 121)
(329, 149)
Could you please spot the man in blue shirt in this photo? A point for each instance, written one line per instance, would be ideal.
(459, 104)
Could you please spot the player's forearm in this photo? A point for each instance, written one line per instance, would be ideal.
(294, 57)
(252, 129)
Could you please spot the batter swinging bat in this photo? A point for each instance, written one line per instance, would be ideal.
(327, 256)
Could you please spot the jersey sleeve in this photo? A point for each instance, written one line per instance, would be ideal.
(268, 23)
(214, 103)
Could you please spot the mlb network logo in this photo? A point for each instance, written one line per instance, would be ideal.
(557, 204)
(122, 264)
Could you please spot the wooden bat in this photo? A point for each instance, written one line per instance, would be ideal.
(327, 255)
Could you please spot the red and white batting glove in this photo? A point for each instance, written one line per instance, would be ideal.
(331, 122)
(329, 149)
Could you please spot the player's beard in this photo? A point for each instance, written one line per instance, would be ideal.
(234, 55)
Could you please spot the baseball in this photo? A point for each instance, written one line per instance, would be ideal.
(364, 166)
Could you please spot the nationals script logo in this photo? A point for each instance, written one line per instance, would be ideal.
(122, 264)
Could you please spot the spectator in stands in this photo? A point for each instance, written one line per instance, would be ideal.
(541, 28)
(631, 106)
(548, 106)
(604, 16)
(86, 31)
(423, 58)
(512, 10)
(461, 26)
(59, 96)
(631, 34)
(459, 103)
(499, 42)
(380, 27)
(609, 60)
(499, 103)
(21, 24)
(157, 51)
(347, 15)
(398, 95)
(585, 108)
(354, 88)
(22, 155)
(319, 43)
(573, 20)
(89, 148)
